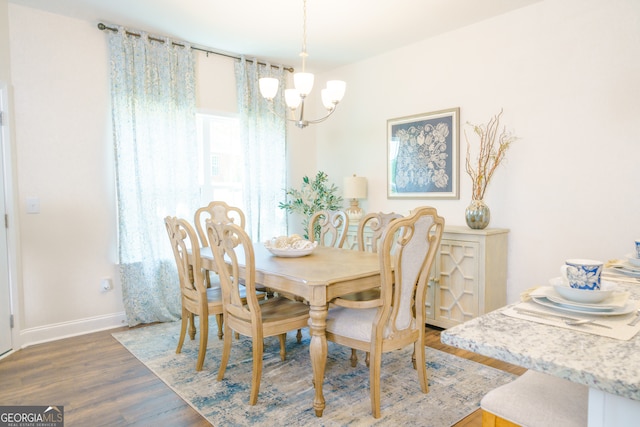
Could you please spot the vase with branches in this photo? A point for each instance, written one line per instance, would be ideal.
(492, 147)
(314, 195)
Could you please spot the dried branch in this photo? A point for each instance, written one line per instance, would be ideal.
(491, 152)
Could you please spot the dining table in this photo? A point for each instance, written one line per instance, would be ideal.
(604, 357)
(317, 278)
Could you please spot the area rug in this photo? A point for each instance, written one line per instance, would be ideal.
(286, 394)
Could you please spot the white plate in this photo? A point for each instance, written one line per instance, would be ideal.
(628, 308)
(592, 307)
(291, 253)
(633, 260)
(627, 271)
(582, 295)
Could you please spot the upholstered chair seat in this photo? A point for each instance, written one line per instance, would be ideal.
(536, 400)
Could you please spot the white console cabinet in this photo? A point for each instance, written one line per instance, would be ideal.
(468, 277)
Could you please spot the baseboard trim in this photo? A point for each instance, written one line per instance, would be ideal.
(58, 331)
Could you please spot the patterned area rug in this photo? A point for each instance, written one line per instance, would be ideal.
(286, 394)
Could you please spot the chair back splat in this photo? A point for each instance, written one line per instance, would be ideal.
(376, 222)
(329, 228)
(217, 211)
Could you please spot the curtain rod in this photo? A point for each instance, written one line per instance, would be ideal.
(103, 27)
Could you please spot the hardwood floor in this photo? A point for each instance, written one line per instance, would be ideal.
(100, 383)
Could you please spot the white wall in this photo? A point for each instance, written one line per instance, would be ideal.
(566, 73)
(4, 42)
(216, 86)
(62, 125)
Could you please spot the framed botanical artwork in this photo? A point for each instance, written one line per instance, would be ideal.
(422, 156)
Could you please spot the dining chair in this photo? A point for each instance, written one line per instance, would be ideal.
(254, 318)
(328, 228)
(197, 299)
(376, 223)
(407, 250)
(219, 211)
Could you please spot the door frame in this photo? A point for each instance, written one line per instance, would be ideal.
(11, 212)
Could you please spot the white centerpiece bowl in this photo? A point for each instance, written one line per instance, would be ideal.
(293, 246)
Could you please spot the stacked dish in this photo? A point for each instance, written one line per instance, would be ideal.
(605, 302)
(633, 260)
(293, 246)
(629, 266)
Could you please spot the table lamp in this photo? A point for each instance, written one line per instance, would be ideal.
(355, 187)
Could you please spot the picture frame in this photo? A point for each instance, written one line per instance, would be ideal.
(423, 159)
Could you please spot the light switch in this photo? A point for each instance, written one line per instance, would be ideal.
(33, 205)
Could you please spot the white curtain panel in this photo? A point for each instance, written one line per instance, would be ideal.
(154, 131)
(263, 135)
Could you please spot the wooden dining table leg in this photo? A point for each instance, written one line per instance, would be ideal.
(318, 352)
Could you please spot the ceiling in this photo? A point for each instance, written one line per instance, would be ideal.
(338, 31)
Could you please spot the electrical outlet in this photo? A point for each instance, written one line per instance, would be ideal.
(106, 285)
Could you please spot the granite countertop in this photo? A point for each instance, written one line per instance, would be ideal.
(603, 363)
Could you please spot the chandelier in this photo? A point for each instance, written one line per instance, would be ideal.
(303, 83)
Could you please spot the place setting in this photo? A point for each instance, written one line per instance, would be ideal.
(628, 266)
(579, 299)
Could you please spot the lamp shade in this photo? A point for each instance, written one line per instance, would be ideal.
(326, 99)
(292, 98)
(336, 89)
(355, 187)
(303, 82)
(268, 87)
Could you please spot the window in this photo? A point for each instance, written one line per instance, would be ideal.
(221, 162)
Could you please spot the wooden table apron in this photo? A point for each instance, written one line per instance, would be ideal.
(318, 278)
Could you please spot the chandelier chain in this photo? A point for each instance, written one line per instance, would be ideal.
(304, 54)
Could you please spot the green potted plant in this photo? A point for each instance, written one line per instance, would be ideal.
(314, 195)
